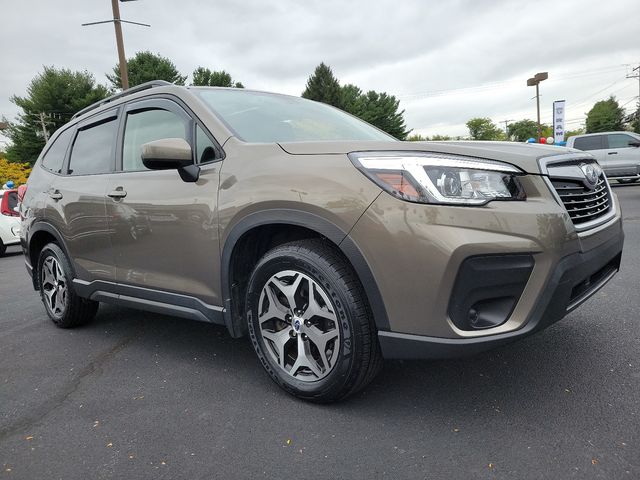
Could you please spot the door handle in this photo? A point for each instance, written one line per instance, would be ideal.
(117, 193)
(612, 153)
(55, 194)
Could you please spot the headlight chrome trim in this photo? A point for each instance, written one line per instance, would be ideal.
(415, 165)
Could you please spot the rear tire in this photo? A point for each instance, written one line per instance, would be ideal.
(325, 347)
(64, 307)
(3, 248)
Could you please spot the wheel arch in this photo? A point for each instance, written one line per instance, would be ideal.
(40, 234)
(288, 225)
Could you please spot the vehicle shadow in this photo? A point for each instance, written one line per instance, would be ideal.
(509, 378)
(12, 251)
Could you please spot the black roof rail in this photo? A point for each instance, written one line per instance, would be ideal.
(124, 93)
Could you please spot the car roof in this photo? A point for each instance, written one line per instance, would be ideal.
(600, 133)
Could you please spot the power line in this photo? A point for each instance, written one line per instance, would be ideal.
(492, 85)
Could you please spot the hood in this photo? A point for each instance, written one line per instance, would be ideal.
(522, 155)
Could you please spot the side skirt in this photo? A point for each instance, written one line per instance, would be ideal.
(151, 300)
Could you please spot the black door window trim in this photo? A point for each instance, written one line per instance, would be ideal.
(171, 104)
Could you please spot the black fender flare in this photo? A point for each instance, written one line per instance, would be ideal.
(319, 225)
(44, 226)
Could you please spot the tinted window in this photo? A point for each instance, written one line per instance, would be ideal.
(266, 117)
(620, 140)
(92, 151)
(147, 126)
(588, 143)
(205, 148)
(54, 157)
(12, 200)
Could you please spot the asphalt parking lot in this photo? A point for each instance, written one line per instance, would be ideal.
(141, 395)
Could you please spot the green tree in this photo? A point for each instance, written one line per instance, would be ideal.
(605, 116)
(522, 130)
(53, 96)
(203, 77)
(381, 110)
(571, 133)
(484, 129)
(349, 98)
(323, 86)
(147, 66)
(635, 123)
(416, 137)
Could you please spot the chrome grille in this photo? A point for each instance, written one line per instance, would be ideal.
(583, 203)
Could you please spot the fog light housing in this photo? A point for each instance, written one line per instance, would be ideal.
(487, 289)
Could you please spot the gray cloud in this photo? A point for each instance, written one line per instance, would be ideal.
(402, 47)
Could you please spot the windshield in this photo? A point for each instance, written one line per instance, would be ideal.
(267, 117)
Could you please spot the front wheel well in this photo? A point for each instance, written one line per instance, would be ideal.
(249, 249)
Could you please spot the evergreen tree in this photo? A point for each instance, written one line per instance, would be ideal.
(203, 77)
(53, 96)
(147, 66)
(381, 110)
(323, 87)
(605, 116)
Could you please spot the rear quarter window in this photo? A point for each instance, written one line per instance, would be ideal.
(55, 154)
(92, 151)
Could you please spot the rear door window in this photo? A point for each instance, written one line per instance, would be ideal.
(93, 149)
(54, 157)
(593, 142)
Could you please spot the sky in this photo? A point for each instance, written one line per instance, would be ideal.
(446, 61)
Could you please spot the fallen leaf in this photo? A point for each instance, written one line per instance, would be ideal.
(288, 441)
(594, 461)
(163, 462)
(30, 437)
(109, 444)
(456, 429)
(491, 465)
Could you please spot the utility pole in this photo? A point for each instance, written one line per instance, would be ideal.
(117, 24)
(535, 80)
(122, 60)
(636, 75)
(41, 116)
(506, 126)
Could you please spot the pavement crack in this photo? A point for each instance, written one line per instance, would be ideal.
(57, 400)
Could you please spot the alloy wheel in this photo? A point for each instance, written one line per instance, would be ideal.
(54, 286)
(299, 325)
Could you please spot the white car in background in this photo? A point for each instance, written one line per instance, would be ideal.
(9, 219)
(618, 153)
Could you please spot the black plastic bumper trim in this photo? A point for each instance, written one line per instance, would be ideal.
(553, 304)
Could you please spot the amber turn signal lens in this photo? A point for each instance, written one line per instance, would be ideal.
(398, 182)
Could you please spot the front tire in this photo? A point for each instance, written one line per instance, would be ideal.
(310, 323)
(64, 307)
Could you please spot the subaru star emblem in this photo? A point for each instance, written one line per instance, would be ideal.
(591, 173)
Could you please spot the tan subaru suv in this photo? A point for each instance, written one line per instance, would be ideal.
(327, 242)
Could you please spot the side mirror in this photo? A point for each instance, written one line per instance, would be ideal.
(634, 144)
(171, 153)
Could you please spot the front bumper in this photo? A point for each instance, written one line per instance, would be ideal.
(566, 290)
(416, 252)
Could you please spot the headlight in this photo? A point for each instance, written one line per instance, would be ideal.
(445, 179)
